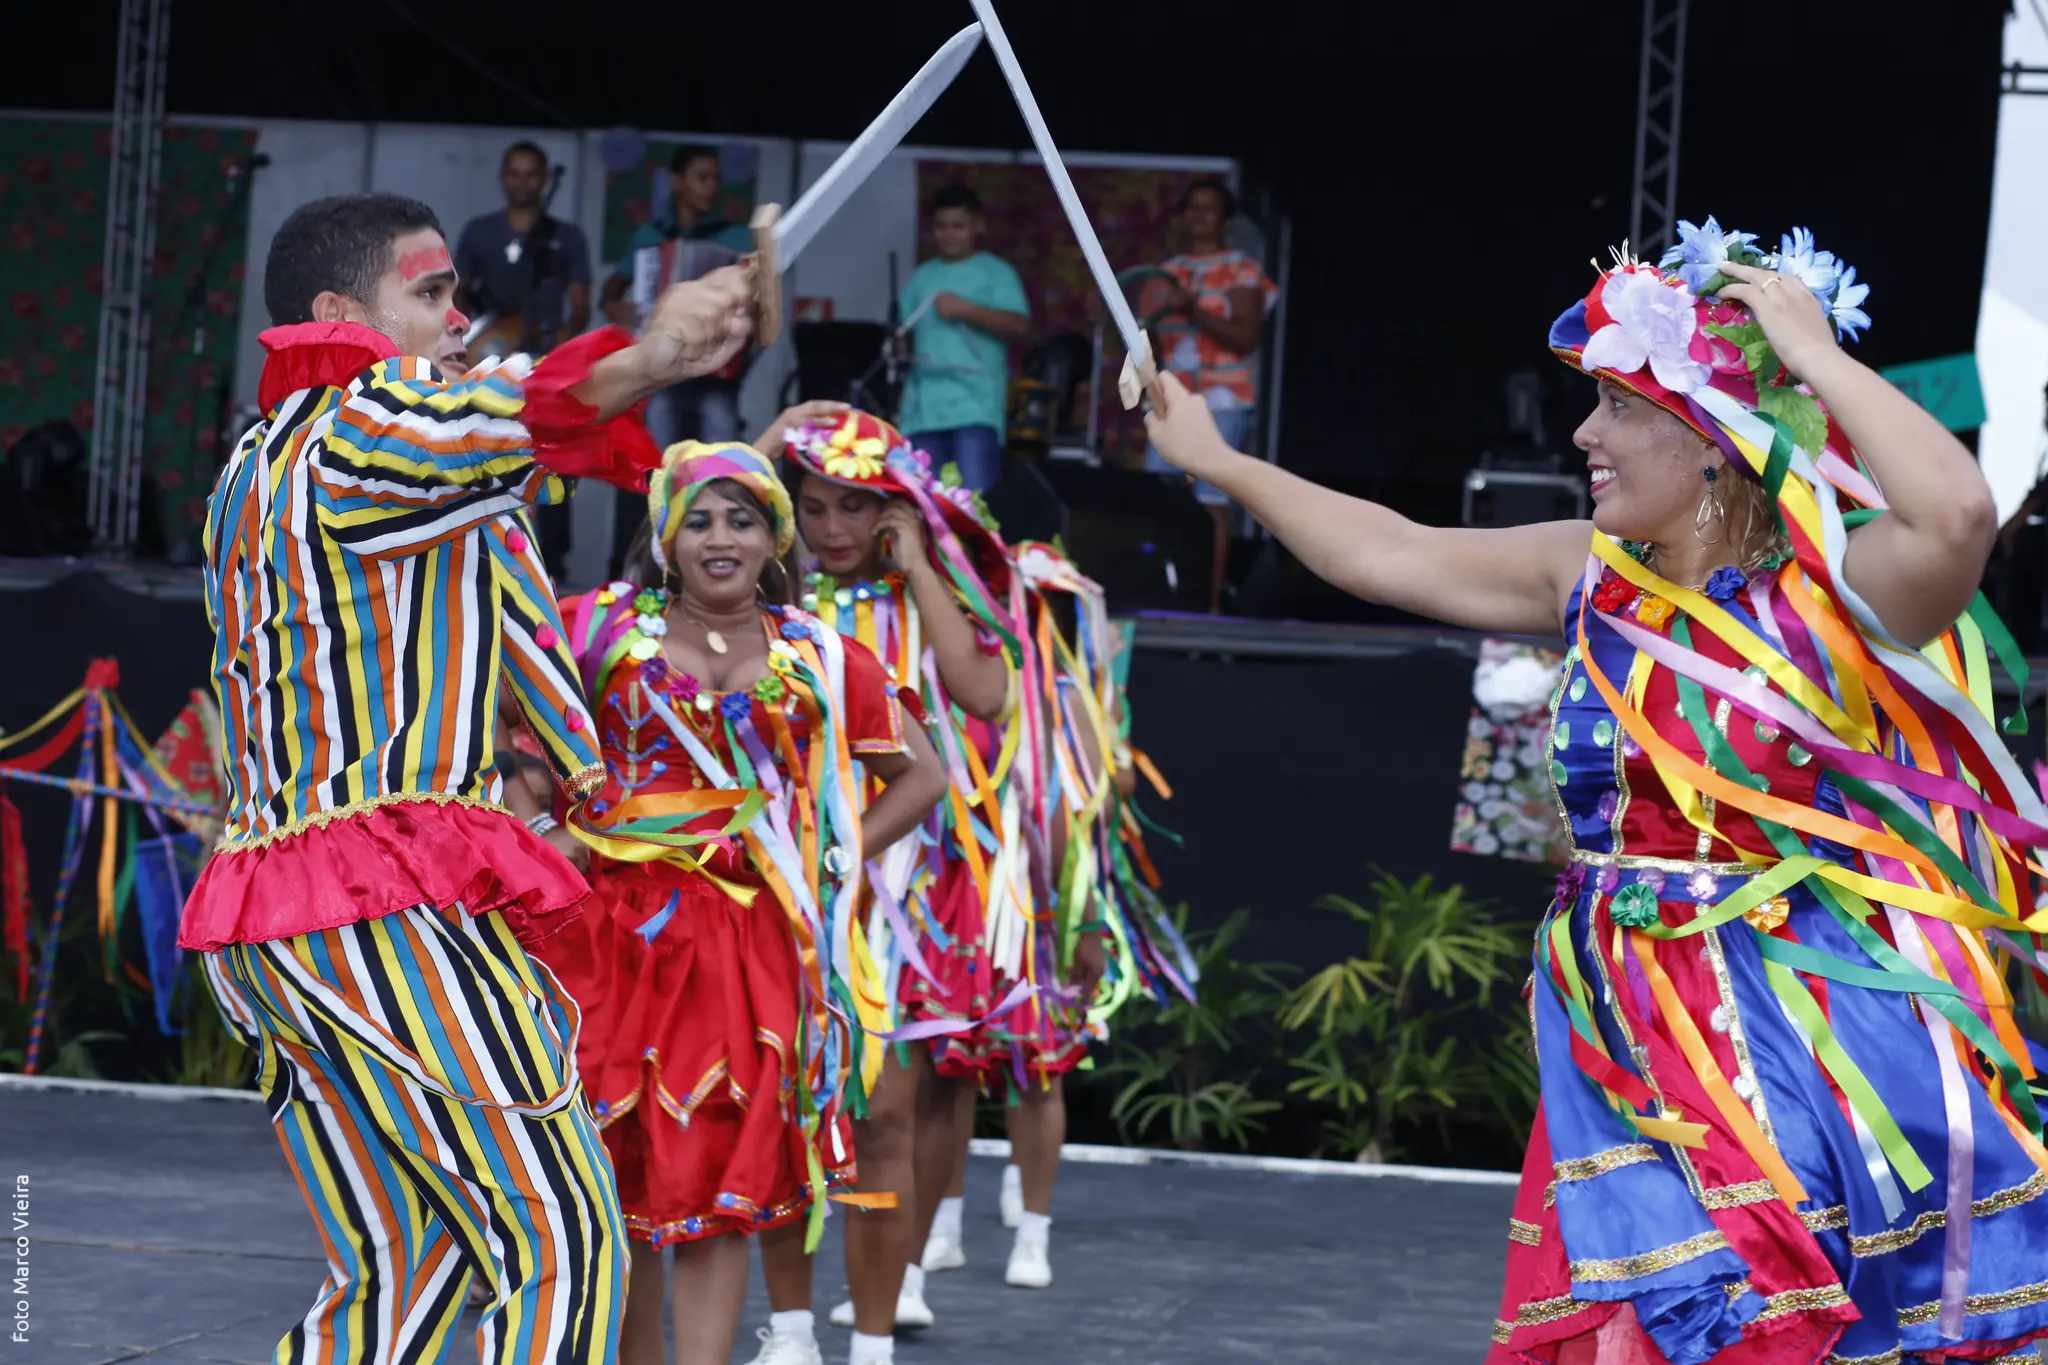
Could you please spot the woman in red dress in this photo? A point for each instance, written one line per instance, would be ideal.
(718, 965)
(912, 568)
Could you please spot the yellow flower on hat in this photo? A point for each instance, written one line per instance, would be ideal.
(1654, 611)
(1770, 915)
(857, 463)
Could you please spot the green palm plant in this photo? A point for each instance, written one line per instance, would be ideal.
(1412, 1029)
(1183, 1067)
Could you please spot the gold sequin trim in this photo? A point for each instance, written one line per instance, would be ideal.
(1736, 1196)
(1826, 1220)
(1980, 1305)
(1649, 1262)
(1803, 1301)
(1527, 1234)
(1644, 862)
(320, 819)
(1892, 1357)
(1895, 1239)
(1600, 1163)
(2027, 1357)
(1541, 1313)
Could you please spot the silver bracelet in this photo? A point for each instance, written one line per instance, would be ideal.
(543, 824)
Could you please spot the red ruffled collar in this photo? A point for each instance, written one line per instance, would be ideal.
(312, 355)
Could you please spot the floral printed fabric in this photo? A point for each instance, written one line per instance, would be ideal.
(1505, 805)
(53, 203)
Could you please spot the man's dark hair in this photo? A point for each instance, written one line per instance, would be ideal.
(690, 152)
(342, 244)
(1223, 192)
(531, 149)
(956, 197)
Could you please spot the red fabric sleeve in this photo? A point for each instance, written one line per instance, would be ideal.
(567, 437)
(873, 724)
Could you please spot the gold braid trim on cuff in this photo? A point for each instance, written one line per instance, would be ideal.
(1649, 1262)
(1980, 1305)
(1541, 1313)
(1598, 1164)
(1737, 1196)
(1896, 1239)
(320, 819)
(584, 783)
(1803, 1301)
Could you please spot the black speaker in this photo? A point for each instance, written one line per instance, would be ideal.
(1143, 537)
(840, 361)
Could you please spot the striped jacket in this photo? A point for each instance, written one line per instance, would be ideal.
(371, 578)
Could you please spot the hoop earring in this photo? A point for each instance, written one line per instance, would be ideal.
(1710, 510)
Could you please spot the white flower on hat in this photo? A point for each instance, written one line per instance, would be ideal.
(1653, 324)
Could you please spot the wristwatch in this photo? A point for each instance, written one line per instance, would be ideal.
(543, 824)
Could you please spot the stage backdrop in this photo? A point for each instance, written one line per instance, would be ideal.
(1133, 210)
(53, 189)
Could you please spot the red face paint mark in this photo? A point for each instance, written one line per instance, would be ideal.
(426, 261)
(456, 321)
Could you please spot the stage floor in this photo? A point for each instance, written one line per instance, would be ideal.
(171, 1230)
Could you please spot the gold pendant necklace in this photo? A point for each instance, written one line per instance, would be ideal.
(711, 637)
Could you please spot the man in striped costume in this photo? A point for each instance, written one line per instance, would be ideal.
(372, 578)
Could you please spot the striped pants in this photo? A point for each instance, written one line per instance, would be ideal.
(420, 1072)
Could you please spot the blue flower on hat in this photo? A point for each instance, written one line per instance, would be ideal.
(1701, 251)
(1845, 310)
(1723, 584)
(1797, 259)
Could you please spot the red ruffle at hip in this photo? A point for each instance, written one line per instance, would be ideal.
(690, 1017)
(1051, 1037)
(962, 987)
(378, 861)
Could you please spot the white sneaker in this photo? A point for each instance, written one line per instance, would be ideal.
(1030, 1265)
(944, 1251)
(1013, 1197)
(911, 1310)
(783, 1351)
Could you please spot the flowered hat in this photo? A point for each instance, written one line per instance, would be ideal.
(689, 467)
(860, 450)
(1663, 331)
(1046, 568)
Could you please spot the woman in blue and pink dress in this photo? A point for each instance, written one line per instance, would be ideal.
(1785, 1115)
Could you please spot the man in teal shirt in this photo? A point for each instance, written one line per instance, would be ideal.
(965, 308)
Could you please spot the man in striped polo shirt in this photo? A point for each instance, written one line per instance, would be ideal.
(372, 577)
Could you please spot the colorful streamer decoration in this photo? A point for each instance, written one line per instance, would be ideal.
(1105, 881)
(153, 832)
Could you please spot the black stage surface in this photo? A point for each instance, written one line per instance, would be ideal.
(171, 1230)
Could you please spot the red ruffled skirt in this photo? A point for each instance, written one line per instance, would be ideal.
(962, 988)
(379, 861)
(690, 1016)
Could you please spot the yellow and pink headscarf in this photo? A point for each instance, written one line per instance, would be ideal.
(689, 467)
